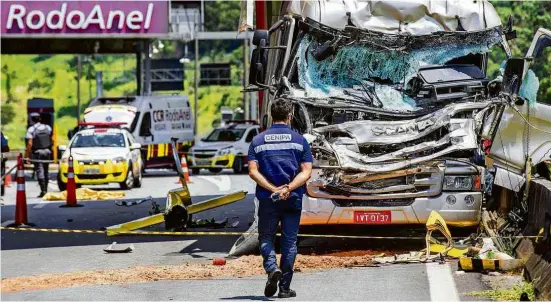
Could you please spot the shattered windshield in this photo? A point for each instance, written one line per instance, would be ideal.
(377, 74)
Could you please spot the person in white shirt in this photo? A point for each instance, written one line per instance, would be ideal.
(39, 145)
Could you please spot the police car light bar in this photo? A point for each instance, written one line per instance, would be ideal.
(103, 125)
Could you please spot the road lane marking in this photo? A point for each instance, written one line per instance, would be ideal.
(223, 182)
(39, 205)
(7, 222)
(441, 284)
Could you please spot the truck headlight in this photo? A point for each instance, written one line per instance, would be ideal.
(458, 183)
(225, 151)
(118, 160)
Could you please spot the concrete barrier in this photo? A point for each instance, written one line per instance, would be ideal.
(537, 255)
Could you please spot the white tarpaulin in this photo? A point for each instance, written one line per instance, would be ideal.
(415, 17)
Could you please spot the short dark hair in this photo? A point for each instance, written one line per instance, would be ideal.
(281, 109)
(35, 119)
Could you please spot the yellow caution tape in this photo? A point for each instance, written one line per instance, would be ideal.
(85, 194)
(209, 233)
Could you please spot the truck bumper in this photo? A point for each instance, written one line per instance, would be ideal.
(321, 211)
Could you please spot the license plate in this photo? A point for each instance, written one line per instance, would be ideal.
(373, 217)
(90, 171)
(203, 162)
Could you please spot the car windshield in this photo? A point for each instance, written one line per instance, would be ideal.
(88, 140)
(225, 135)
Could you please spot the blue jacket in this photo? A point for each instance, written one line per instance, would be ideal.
(279, 152)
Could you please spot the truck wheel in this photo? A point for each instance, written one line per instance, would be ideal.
(195, 171)
(215, 170)
(60, 184)
(128, 183)
(238, 166)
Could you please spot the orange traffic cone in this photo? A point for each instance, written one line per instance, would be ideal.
(7, 179)
(183, 164)
(21, 197)
(71, 187)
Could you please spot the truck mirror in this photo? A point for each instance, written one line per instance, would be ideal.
(257, 71)
(62, 148)
(259, 35)
(543, 42)
(512, 77)
(136, 146)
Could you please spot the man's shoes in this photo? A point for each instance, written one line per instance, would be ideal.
(289, 293)
(271, 284)
(41, 194)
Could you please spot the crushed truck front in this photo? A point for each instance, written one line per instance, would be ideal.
(393, 116)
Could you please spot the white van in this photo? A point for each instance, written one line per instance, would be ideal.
(152, 120)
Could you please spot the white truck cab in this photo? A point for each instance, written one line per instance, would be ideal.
(226, 147)
(153, 121)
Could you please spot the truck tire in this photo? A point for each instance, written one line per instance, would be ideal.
(195, 171)
(128, 182)
(215, 170)
(238, 166)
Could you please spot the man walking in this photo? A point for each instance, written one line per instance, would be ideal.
(39, 143)
(280, 162)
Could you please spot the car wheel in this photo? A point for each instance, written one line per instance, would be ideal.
(195, 171)
(238, 166)
(138, 181)
(128, 183)
(215, 170)
(60, 184)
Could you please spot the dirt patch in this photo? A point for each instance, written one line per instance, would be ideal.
(242, 267)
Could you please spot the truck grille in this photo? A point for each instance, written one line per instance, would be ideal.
(374, 203)
(424, 182)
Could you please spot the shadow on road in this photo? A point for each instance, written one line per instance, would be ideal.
(95, 215)
(252, 298)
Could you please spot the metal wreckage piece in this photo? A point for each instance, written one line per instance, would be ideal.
(178, 206)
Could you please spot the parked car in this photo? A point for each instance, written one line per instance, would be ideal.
(225, 147)
(102, 153)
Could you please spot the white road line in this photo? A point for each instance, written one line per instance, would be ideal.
(39, 205)
(223, 182)
(7, 222)
(441, 284)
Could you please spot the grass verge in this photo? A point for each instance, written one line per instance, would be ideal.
(512, 294)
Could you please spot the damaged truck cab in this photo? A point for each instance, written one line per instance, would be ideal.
(392, 97)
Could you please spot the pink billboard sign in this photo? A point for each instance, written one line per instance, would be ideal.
(84, 18)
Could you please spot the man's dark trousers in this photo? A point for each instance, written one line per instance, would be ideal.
(270, 214)
(41, 168)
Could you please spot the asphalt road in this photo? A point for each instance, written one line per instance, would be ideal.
(29, 253)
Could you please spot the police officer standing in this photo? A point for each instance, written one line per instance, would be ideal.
(39, 143)
(280, 162)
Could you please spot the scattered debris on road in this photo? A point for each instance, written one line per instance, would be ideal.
(85, 194)
(129, 203)
(111, 249)
(238, 268)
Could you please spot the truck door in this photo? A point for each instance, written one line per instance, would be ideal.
(525, 128)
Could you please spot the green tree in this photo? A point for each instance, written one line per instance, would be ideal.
(529, 16)
(10, 76)
(7, 114)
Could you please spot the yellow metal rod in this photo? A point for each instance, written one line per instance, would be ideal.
(216, 202)
(135, 224)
